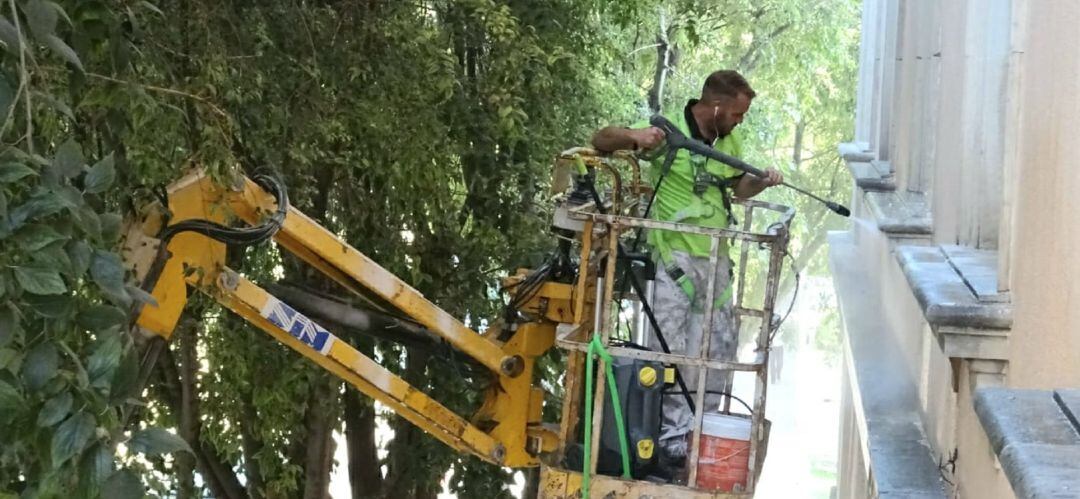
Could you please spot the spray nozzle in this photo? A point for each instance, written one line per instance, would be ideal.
(838, 208)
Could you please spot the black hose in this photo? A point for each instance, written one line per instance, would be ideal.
(677, 140)
(645, 307)
(245, 236)
(717, 392)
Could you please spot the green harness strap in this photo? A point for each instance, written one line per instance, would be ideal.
(677, 274)
(597, 348)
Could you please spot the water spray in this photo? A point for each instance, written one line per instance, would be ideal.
(677, 140)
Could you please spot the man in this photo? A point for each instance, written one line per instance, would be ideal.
(695, 191)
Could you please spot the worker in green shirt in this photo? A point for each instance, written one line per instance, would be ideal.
(695, 191)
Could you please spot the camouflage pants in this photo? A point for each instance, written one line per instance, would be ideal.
(681, 320)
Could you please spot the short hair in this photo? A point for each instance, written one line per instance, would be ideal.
(726, 83)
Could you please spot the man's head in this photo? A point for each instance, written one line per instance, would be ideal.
(728, 93)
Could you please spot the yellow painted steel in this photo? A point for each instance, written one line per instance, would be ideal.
(247, 300)
(557, 483)
(192, 255)
(507, 430)
(511, 406)
(321, 248)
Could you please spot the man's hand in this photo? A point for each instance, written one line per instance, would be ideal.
(647, 138)
(750, 185)
(772, 177)
(613, 139)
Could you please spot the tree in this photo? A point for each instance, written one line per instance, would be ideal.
(421, 132)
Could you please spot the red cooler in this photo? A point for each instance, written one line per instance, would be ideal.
(724, 457)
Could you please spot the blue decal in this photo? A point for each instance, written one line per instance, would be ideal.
(298, 325)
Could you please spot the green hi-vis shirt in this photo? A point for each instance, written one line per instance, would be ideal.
(677, 202)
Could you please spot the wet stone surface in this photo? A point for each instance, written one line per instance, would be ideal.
(1034, 434)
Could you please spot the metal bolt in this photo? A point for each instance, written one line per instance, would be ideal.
(512, 366)
(498, 454)
(229, 280)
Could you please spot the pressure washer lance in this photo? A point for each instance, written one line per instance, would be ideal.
(677, 140)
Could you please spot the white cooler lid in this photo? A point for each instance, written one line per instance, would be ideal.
(726, 426)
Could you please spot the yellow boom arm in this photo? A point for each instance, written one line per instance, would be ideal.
(506, 431)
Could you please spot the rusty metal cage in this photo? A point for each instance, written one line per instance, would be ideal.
(602, 230)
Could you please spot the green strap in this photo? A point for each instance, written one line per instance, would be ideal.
(725, 296)
(667, 260)
(580, 163)
(597, 348)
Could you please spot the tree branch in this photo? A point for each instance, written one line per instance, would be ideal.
(216, 472)
(750, 59)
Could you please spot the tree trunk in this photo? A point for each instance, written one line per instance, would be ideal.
(797, 148)
(320, 421)
(750, 59)
(532, 484)
(665, 62)
(186, 421)
(365, 476)
(399, 481)
(250, 445)
(321, 416)
(178, 388)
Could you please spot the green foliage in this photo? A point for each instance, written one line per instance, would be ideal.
(421, 132)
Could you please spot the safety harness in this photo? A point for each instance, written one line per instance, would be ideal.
(703, 179)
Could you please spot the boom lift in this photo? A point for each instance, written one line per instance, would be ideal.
(568, 304)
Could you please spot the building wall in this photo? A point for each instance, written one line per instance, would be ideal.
(978, 471)
(976, 105)
(1044, 257)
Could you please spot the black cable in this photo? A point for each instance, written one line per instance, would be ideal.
(245, 236)
(791, 306)
(717, 392)
(645, 307)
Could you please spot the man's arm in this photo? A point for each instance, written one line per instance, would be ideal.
(751, 185)
(615, 138)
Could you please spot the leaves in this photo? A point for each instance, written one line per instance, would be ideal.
(103, 362)
(51, 306)
(41, 17)
(37, 207)
(40, 281)
(68, 161)
(10, 400)
(110, 227)
(80, 254)
(153, 8)
(55, 410)
(96, 466)
(101, 176)
(9, 325)
(64, 51)
(71, 437)
(101, 317)
(108, 273)
(37, 236)
(123, 484)
(155, 441)
(40, 365)
(9, 36)
(13, 172)
(503, 86)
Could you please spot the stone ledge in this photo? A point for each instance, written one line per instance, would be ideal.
(945, 296)
(900, 459)
(851, 151)
(869, 176)
(903, 214)
(978, 268)
(1035, 441)
(1039, 471)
